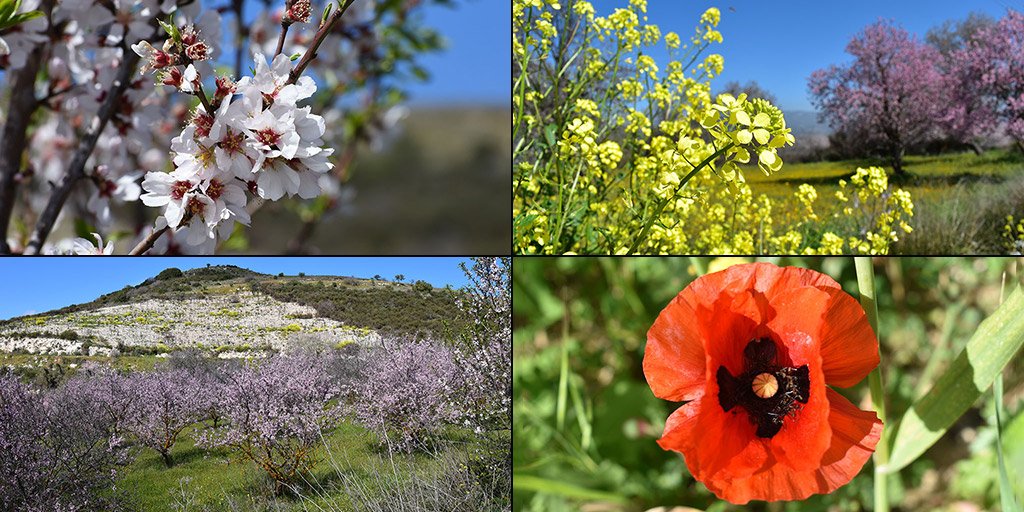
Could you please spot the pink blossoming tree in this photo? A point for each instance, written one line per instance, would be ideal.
(891, 94)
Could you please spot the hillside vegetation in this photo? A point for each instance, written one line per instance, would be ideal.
(417, 309)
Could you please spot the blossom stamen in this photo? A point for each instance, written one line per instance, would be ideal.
(767, 391)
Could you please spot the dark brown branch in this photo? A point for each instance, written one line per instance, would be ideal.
(12, 140)
(282, 37)
(76, 170)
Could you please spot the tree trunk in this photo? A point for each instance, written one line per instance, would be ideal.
(975, 147)
(167, 458)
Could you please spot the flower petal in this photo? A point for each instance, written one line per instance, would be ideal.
(854, 436)
(674, 358)
(849, 348)
(716, 444)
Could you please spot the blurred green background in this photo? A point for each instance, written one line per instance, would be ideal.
(580, 326)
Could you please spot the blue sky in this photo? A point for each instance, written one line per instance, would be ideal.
(779, 44)
(35, 285)
(473, 68)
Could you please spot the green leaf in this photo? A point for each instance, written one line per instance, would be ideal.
(1006, 496)
(7, 9)
(549, 134)
(544, 485)
(25, 16)
(563, 386)
(991, 347)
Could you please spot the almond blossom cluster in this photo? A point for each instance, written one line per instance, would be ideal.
(252, 138)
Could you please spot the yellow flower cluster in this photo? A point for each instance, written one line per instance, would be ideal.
(615, 154)
(1013, 235)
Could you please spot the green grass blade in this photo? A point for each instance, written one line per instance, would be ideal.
(866, 288)
(544, 485)
(991, 347)
(563, 381)
(1006, 496)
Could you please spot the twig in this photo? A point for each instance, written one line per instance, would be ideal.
(284, 34)
(76, 170)
(242, 36)
(321, 34)
(202, 98)
(148, 242)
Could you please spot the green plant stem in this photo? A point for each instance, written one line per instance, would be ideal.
(866, 286)
(664, 202)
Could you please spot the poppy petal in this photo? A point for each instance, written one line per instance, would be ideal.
(849, 348)
(715, 443)
(674, 359)
(854, 436)
(805, 435)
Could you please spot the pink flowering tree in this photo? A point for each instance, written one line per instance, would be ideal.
(890, 95)
(275, 414)
(116, 105)
(165, 403)
(57, 450)
(991, 68)
(408, 393)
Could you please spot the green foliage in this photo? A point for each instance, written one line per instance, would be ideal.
(169, 273)
(9, 15)
(383, 308)
(995, 342)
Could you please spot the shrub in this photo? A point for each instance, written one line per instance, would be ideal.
(169, 273)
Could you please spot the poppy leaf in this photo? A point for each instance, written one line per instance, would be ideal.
(991, 347)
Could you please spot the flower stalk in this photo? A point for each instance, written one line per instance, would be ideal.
(866, 286)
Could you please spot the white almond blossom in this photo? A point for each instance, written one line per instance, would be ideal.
(84, 247)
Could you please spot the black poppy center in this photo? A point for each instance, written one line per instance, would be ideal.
(765, 389)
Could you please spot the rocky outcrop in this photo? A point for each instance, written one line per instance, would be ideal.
(231, 323)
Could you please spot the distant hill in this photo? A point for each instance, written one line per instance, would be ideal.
(231, 309)
(805, 123)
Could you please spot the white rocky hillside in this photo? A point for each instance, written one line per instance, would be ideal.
(229, 324)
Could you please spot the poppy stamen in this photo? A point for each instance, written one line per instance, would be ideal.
(766, 390)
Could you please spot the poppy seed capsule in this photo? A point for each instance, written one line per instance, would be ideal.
(765, 385)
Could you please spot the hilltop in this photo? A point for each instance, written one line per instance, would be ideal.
(232, 310)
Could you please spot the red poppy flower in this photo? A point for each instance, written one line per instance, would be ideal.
(751, 350)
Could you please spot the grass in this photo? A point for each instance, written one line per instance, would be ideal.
(961, 200)
(217, 480)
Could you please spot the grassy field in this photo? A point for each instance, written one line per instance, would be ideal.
(961, 200)
(217, 480)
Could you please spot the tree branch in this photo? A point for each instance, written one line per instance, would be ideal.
(321, 34)
(148, 242)
(12, 140)
(76, 170)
